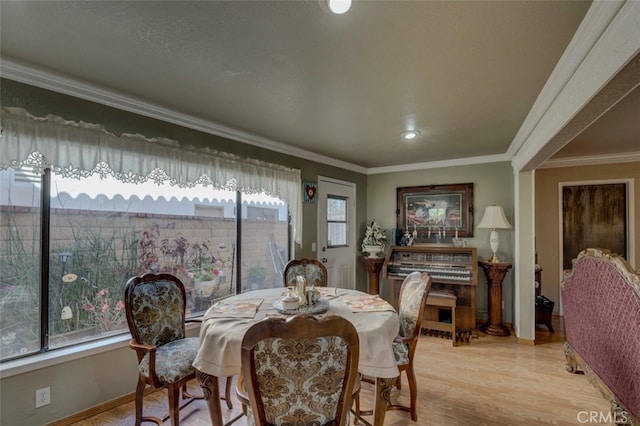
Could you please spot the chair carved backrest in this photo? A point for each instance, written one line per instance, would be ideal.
(313, 270)
(413, 297)
(155, 306)
(300, 370)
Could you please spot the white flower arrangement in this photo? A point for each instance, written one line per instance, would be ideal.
(374, 235)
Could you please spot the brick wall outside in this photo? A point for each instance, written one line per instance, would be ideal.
(82, 228)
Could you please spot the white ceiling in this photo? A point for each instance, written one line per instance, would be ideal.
(463, 73)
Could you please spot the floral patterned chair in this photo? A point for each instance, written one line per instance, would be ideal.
(300, 370)
(413, 297)
(155, 307)
(313, 270)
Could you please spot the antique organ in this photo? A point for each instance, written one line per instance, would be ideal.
(452, 269)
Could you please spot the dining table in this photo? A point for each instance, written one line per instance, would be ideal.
(225, 323)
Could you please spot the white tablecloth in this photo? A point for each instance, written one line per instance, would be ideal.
(220, 338)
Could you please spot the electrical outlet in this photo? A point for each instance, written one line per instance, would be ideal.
(43, 397)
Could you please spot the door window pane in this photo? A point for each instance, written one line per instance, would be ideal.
(336, 221)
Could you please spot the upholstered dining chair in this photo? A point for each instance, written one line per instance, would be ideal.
(299, 370)
(155, 306)
(413, 298)
(313, 270)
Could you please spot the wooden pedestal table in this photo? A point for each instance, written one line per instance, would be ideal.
(374, 265)
(495, 273)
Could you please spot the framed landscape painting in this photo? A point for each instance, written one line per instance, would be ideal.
(436, 210)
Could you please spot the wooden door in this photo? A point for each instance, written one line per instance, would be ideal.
(594, 216)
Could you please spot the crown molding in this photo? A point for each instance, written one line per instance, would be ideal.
(598, 17)
(50, 81)
(605, 42)
(24, 74)
(591, 160)
(497, 158)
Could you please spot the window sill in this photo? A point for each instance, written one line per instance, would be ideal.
(59, 356)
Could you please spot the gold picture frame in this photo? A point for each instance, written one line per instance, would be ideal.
(436, 212)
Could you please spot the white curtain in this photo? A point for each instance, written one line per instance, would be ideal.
(74, 149)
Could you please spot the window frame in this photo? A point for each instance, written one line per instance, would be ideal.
(345, 222)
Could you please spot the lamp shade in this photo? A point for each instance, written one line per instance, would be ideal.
(494, 218)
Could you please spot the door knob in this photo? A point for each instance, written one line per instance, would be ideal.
(325, 260)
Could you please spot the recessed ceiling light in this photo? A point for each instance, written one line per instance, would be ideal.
(339, 6)
(410, 134)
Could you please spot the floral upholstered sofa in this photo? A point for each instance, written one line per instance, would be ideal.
(601, 305)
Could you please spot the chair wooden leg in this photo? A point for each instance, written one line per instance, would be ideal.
(241, 394)
(227, 393)
(139, 400)
(184, 392)
(356, 397)
(356, 401)
(174, 404)
(453, 326)
(413, 390)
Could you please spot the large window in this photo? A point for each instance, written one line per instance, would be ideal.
(83, 209)
(264, 242)
(20, 245)
(101, 231)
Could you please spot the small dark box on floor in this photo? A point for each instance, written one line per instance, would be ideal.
(544, 311)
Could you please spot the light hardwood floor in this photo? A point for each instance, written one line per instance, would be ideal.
(489, 381)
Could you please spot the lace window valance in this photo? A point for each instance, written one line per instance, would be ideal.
(74, 149)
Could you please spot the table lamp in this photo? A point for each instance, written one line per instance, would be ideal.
(493, 219)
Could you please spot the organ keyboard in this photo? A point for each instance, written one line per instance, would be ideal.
(451, 268)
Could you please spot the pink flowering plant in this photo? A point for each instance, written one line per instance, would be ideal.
(207, 266)
(207, 271)
(103, 312)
